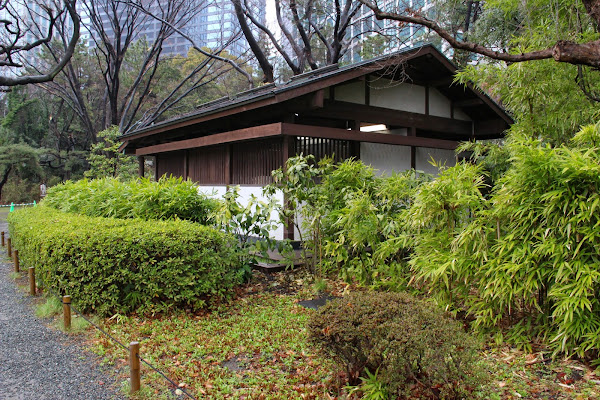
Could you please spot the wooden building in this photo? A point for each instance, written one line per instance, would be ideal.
(394, 112)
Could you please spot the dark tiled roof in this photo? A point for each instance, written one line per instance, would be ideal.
(273, 89)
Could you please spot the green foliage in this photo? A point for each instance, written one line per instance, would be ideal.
(350, 220)
(253, 347)
(371, 387)
(169, 198)
(114, 265)
(20, 160)
(105, 159)
(250, 223)
(25, 120)
(369, 239)
(298, 184)
(440, 211)
(540, 262)
(526, 257)
(18, 190)
(406, 340)
(544, 95)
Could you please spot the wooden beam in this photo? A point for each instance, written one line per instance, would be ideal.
(370, 137)
(141, 167)
(427, 100)
(442, 82)
(185, 165)
(227, 171)
(239, 135)
(468, 103)
(412, 132)
(490, 127)
(317, 99)
(388, 116)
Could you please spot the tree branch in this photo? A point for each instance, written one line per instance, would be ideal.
(563, 51)
(70, 6)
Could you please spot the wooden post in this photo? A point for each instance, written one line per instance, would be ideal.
(32, 281)
(141, 166)
(16, 260)
(134, 366)
(67, 312)
(9, 246)
(3, 243)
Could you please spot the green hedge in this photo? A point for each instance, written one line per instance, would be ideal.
(169, 198)
(124, 265)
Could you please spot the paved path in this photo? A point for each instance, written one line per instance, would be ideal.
(40, 363)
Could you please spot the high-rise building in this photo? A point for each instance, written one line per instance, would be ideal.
(210, 23)
(394, 36)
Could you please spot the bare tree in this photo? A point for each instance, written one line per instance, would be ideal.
(28, 26)
(114, 30)
(305, 25)
(566, 51)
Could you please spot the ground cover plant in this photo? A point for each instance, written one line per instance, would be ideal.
(254, 348)
(169, 198)
(113, 265)
(257, 347)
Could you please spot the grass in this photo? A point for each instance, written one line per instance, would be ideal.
(255, 347)
(50, 308)
(78, 324)
(53, 308)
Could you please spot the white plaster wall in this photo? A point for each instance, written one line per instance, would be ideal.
(351, 92)
(385, 158)
(397, 96)
(245, 193)
(439, 105)
(423, 156)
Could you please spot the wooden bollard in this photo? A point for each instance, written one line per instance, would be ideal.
(67, 312)
(134, 366)
(32, 281)
(16, 260)
(9, 247)
(2, 235)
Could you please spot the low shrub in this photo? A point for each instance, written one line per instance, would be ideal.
(117, 265)
(412, 348)
(169, 198)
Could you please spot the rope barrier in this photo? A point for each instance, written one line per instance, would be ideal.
(17, 205)
(48, 289)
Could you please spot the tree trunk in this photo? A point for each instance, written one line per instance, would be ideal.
(263, 61)
(593, 9)
(4, 179)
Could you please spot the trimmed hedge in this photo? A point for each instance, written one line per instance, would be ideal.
(169, 198)
(123, 265)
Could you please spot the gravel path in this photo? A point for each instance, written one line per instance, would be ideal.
(37, 362)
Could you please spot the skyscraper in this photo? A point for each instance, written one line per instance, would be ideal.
(396, 36)
(210, 23)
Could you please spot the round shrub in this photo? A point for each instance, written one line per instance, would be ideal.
(414, 349)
